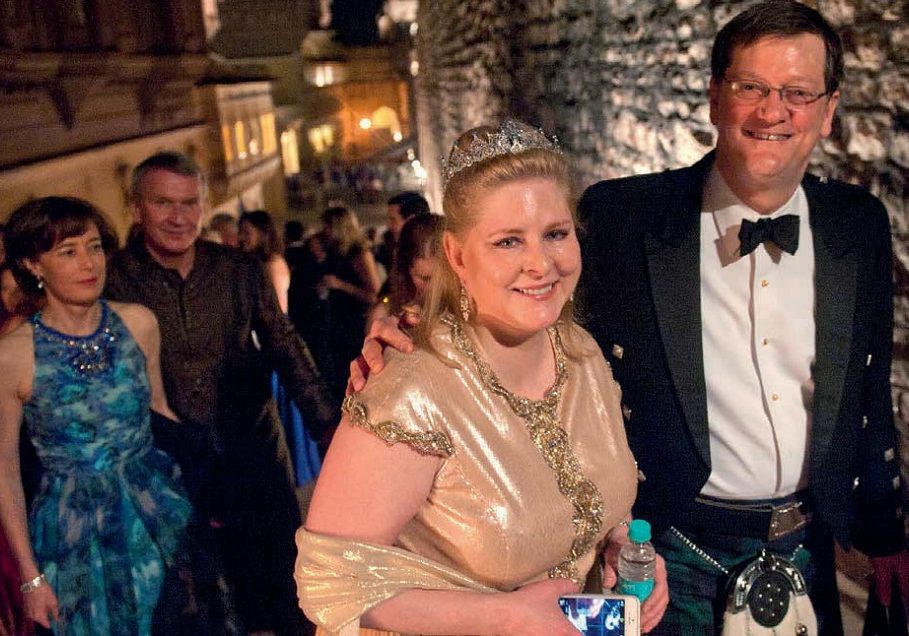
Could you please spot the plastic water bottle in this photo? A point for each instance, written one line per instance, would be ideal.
(637, 561)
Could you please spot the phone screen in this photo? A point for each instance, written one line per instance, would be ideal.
(595, 615)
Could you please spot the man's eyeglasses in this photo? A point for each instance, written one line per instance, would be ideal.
(753, 91)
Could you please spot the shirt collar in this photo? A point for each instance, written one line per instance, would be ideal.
(203, 255)
(728, 210)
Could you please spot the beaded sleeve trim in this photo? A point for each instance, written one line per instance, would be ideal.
(542, 419)
(430, 443)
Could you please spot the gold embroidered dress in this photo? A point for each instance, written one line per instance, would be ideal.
(525, 491)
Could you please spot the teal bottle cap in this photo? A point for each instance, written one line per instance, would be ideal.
(639, 531)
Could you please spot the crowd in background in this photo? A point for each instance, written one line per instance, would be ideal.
(329, 279)
(728, 384)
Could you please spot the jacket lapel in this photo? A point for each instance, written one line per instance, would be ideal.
(835, 290)
(672, 250)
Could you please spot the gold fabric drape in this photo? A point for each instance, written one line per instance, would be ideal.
(339, 580)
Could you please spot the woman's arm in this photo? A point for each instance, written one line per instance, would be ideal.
(16, 369)
(364, 265)
(368, 491)
(532, 610)
(279, 275)
(143, 325)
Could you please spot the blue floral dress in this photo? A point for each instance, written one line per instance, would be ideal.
(110, 515)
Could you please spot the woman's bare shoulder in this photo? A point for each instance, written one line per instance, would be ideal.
(134, 314)
(17, 355)
(276, 260)
(139, 320)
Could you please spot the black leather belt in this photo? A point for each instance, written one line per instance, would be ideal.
(766, 519)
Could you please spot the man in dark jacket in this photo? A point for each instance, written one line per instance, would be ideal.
(746, 309)
(222, 335)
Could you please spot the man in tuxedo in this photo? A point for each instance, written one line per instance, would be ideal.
(746, 309)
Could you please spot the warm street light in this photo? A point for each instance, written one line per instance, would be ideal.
(366, 123)
(418, 170)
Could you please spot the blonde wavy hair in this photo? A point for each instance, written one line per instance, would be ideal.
(342, 228)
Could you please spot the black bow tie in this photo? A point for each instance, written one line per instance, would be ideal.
(783, 230)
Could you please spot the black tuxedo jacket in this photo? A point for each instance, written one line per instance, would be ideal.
(640, 298)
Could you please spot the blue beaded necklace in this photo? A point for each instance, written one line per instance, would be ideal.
(88, 355)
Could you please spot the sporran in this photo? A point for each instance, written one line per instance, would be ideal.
(769, 597)
(766, 597)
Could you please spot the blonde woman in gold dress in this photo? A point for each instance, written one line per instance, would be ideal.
(477, 479)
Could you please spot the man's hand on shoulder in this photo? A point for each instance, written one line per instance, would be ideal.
(384, 332)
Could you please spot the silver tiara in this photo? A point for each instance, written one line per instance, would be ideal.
(509, 138)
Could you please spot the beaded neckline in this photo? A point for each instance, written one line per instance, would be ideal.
(88, 355)
(542, 420)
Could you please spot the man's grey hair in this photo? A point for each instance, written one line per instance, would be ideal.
(171, 161)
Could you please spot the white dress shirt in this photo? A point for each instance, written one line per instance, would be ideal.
(758, 339)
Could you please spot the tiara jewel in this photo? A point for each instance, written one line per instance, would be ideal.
(508, 139)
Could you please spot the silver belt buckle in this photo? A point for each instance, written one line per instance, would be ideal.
(786, 519)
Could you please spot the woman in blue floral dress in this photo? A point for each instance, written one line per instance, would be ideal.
(110, 516)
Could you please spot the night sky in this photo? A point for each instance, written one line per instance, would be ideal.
(355, 20)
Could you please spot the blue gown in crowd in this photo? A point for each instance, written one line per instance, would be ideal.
(304, 451)
(110, 515)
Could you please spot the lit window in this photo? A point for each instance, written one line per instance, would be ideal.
(255, 136)
(240, 134)
(321, 137)
(269, 142)
(315, 140)
(385, 117)
(289, 152)
(324, 75)
(228, 146)
(328, 134)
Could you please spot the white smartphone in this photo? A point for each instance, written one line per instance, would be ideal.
(603, 614)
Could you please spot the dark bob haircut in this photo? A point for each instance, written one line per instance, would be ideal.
(778, 18)
(37, 226)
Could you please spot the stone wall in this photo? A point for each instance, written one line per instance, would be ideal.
(623, 84)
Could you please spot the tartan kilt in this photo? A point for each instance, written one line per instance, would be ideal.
(698, 590)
